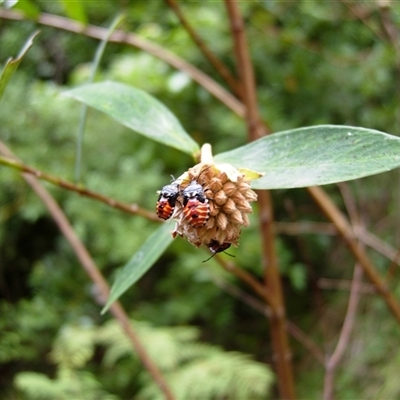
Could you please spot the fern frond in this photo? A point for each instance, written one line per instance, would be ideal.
(74, 346)
(38, 386)
(228, 375)
(168, 346)
(194, 370)
(68, 385)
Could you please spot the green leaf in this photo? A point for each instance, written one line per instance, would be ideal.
(140, 263)
(137, 110)
(95, 65)
(29, 9)
(13, 63)
(316, 155)
(75, 10)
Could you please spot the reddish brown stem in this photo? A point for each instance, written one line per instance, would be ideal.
(280, 343)
(91, 269)
(129, 208)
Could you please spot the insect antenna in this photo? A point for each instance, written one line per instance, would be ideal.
(212, 255)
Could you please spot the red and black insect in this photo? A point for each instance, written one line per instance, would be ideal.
(215, 248)
(167, 200)
(196, 209)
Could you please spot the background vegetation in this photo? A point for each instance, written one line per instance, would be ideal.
(315, 63)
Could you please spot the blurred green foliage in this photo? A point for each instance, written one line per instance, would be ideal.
(315, 62)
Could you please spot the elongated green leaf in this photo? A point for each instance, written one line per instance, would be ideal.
(13, 63)
(137, 110)
(95, 64)
(316, 155)
(141, 262)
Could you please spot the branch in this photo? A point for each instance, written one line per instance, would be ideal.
(208, 54)
(341, 284)
(129, 208)
(91, 269)
(256, 129)
(260, 307)
(249, 280)
(328, 228)
(305, 227)
(131, 39)
(344, 338)
(345, 230)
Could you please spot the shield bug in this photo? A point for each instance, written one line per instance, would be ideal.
(167, 200)
(215, 248)
(196, 209)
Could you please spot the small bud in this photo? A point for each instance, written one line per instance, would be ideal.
(220, 198)
(222, 221)
(223, 177)
(229, 207)
(210, 195)
(238, 197)
(232, 234)
(250, 195)
(229, 188)
(236, 217)
(243, 187)
(210, 223)
(215, 185)
(214, 209)
(244, 206)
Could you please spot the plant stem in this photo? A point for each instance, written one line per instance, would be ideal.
(208, 54)
(129, 208)
(280, 343)
(346, 231)
(344, 338)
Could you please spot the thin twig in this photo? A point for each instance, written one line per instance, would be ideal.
(133, 209)
(379, 245)
(261, 308)
(256, 129)
(355, 10)
(306, 341)
(328, 228)
(344, 338)
(305, 227)
(360, 230)
(341, 284)
(350, 204)
(239, 294)
(249, 280)
(345, 230)
(131, 39)
(392, 266)
(208, 54)
(91, 269)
